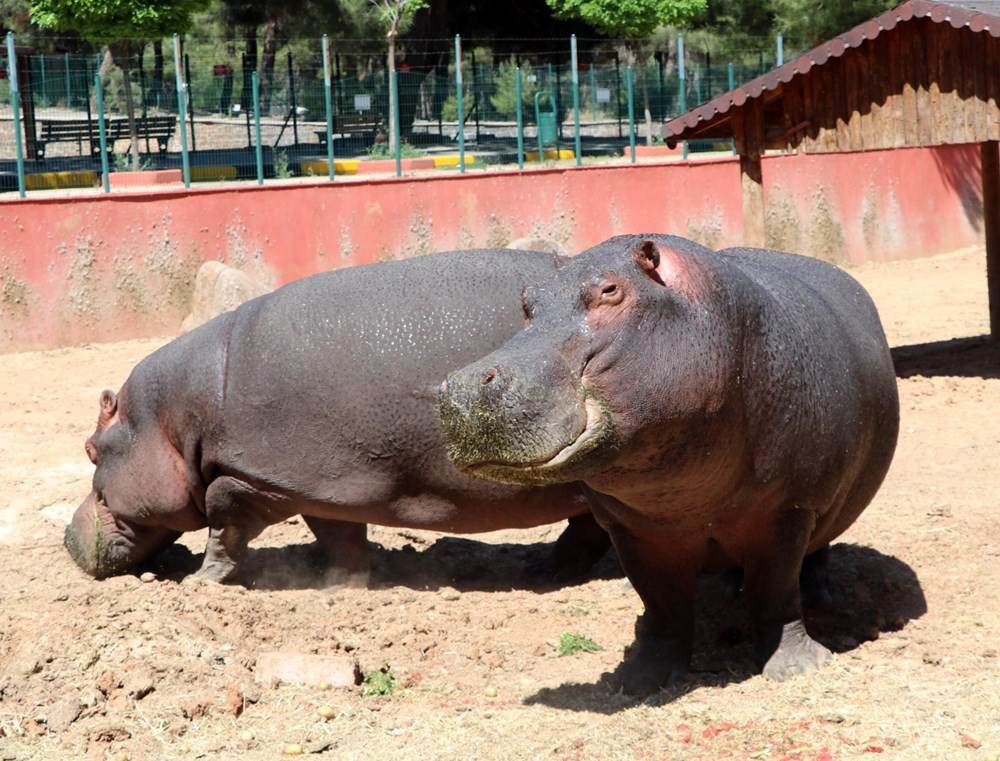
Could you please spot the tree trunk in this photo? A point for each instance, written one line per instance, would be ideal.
(158, 70)
(133, 134)
(107, 61)
(392, 90)
(639, 63)
(267, 64)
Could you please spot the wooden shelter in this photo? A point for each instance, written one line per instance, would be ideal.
(922, 74)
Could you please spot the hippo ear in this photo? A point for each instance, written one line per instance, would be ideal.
(109, 406)
(661, 264)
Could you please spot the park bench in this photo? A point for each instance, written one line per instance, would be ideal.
(362, 125)
(159, 128)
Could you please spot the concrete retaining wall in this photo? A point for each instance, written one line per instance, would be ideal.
(93, 267)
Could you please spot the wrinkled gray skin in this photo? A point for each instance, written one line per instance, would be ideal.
(319, 399)
(727, 410)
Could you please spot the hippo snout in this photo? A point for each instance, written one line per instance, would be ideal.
(516, 424)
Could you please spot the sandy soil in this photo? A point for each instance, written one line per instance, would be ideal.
(165, 668)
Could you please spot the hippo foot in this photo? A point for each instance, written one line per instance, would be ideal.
(217, 570)
(341, 578)
(797, 653)
(655, 665)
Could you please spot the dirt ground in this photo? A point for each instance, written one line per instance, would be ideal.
(163, 667)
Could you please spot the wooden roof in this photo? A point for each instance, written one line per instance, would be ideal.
(923, 73)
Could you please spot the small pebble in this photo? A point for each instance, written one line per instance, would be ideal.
(246, 736)
(490, 691)
(147, 577)
(293, 749)
(323, 686)
(326, 712)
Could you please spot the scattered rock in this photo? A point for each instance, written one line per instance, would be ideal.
(138, 684)
(300, 668)
(62, 714)
(147, 577)
(530, 243)
(197, 706)
(219, 289)
(106, 682)
(450, 593)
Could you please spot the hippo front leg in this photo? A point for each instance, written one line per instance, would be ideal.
(233, 524)
(782, 646)
(664, 576)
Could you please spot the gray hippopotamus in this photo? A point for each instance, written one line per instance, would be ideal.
(319, 399)
(726, 410)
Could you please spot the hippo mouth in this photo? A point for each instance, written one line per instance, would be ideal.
(565, 465)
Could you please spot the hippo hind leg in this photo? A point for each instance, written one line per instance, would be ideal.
(345, 546)
(578, 548)
(814, 580)
(782, 646)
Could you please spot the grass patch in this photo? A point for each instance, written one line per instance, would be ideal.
(571, 644)
(380, 682)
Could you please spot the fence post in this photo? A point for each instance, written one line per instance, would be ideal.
(682, 84)
(189, 99)
(520, 118)
(781, 51)
(732, 86)
(576, 100)
(16, 106)
(329, 105)
(458, 96)
(102, 132)
(181, 111)
(294, 104)
(258, 148)
(631, 113)
(394, 84)
(69, 91)
(41, 72)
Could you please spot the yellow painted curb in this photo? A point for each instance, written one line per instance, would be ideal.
(440, 162)
(551, 153)
(322, 168)
(54, 180)
(212, 173)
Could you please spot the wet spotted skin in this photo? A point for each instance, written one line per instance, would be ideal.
(732, 409)
(318, 399)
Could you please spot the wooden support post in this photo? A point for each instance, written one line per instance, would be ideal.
(990, 162)
(748, 137)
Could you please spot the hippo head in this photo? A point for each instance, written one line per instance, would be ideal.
(614, 350)
(139, 503)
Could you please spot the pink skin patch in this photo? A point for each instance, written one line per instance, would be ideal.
(674, 270)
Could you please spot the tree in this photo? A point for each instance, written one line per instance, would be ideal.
(635, 20)
(121, 21)
(396, 15)
(807, 23)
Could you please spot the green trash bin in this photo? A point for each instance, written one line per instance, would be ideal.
(545, 118)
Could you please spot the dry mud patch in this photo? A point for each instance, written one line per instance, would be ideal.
(165, 668)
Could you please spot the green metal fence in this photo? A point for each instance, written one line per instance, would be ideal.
(312, 107)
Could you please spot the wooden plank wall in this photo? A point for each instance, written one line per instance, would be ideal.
(923, 83)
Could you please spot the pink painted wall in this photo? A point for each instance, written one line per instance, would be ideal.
(94, 267)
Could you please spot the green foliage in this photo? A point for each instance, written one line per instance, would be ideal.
(628, 18)
(571, 644)
(380, 682)
(116, 19)
(383, 151)
(806, 23)
(395, 15)
(281, 169)
(504, 100)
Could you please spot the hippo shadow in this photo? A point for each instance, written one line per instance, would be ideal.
(972, 357)
(458, 562)
(872, 593)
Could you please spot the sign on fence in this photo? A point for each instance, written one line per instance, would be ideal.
(220, 70)
(362, 102)
(603, 95)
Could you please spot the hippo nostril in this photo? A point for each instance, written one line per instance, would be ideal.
(489, 375)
